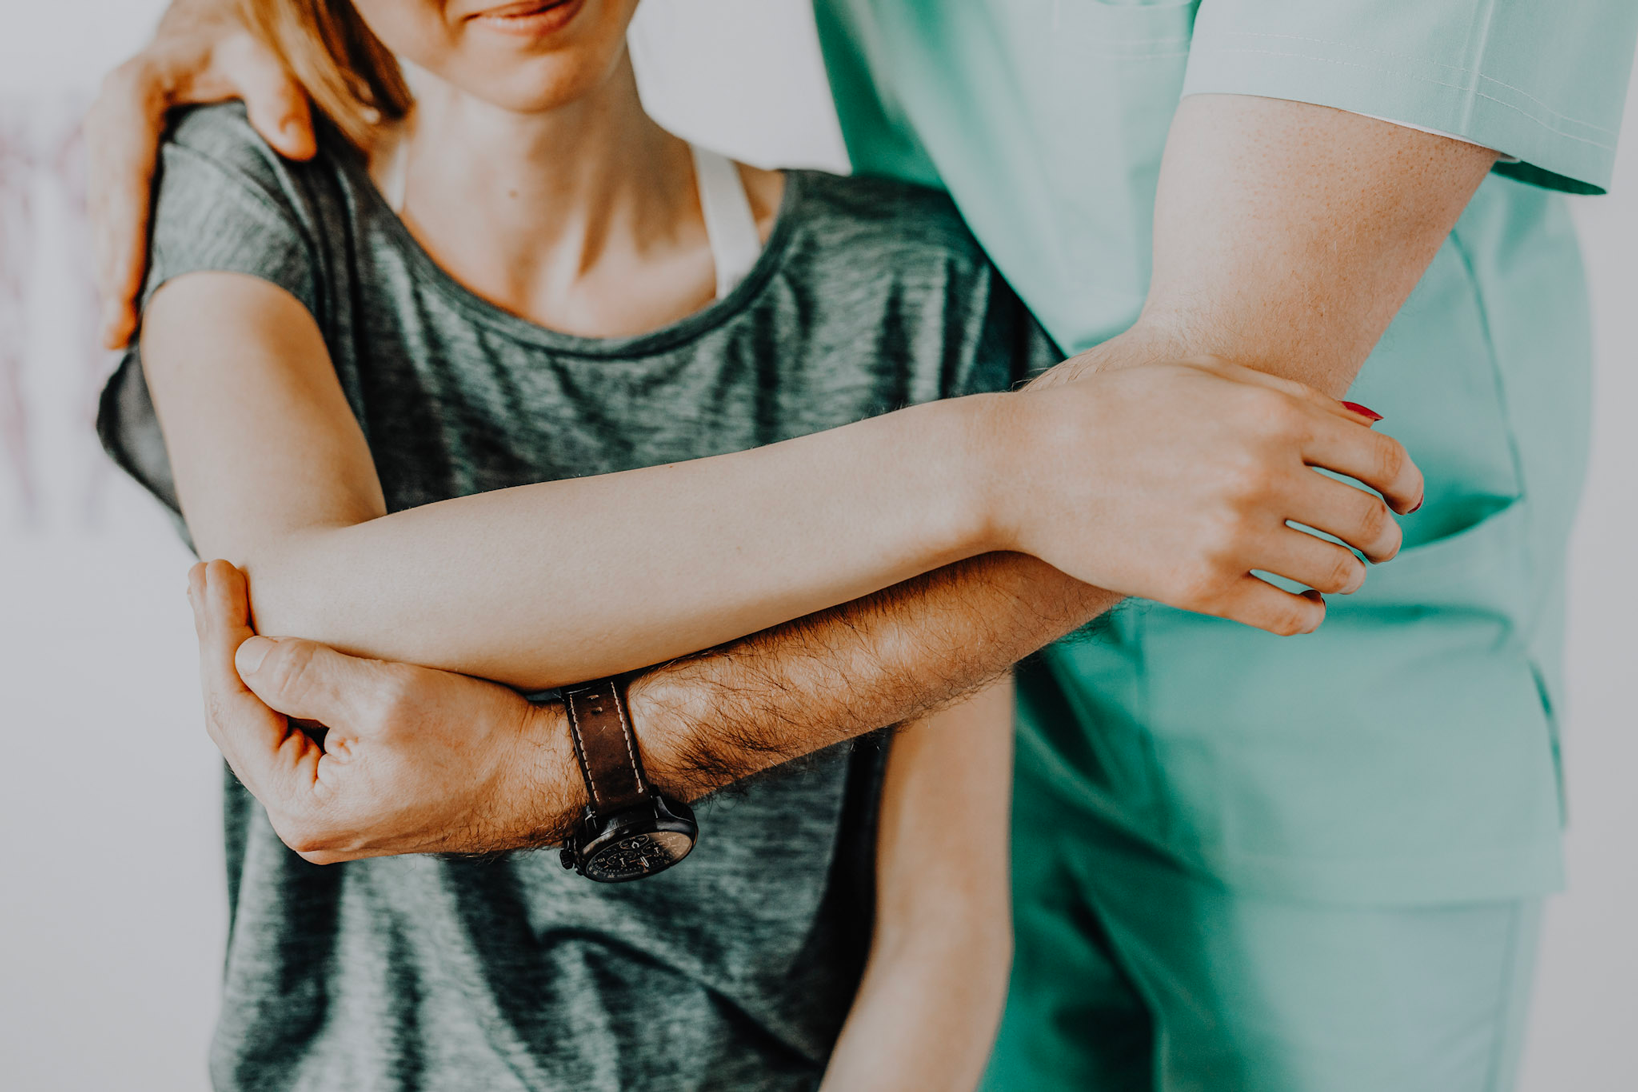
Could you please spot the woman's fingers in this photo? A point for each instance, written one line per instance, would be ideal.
(1341, 438)
(1378, 461)
(1258, 603)
(1348, 411)
(1373, 459)
(1317, 562)
(1359, 518)
(222, 617)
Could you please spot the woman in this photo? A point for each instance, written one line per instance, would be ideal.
(521, 279)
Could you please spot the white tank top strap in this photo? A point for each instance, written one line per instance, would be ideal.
(730, 226)
(729, 223)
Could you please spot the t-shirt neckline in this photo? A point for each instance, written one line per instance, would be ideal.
(714, 314)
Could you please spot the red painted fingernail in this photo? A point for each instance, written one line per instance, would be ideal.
(1419, 505)
(1363, 411)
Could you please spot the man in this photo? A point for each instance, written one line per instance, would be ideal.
(1241, 862)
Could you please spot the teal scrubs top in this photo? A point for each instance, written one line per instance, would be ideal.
(1407, 751)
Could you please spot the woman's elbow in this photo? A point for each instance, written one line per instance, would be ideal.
(288, 593)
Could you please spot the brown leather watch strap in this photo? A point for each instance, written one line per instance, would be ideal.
(603, 741)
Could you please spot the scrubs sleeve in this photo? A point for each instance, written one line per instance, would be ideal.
(1540, 80)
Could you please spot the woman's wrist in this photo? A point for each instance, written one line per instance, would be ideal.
(994, 464)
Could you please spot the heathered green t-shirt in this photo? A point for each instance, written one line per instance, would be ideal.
(733, 970)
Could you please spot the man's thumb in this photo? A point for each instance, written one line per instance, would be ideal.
(251, 654)
(275, 103)
(307, 680)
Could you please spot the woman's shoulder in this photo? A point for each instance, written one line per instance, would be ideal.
(217, 171)
(227, 202)
(905, 219)
(220, 135)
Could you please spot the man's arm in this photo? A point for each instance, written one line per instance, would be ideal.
(712, 718)
(422, 761)
(1287, 237)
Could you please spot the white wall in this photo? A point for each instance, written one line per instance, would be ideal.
(111, 904)
(1586, 1007)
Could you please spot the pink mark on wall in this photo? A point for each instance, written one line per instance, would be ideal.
(17, 170)
(43, 216)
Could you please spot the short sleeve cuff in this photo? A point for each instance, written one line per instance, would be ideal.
(1362, 59)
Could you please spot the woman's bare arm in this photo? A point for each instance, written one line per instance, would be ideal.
(535, 585)
(927, 1009)
(1170, 482)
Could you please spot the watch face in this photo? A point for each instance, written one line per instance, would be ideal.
(639, 855)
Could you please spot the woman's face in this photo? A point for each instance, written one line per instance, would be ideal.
(523, 55)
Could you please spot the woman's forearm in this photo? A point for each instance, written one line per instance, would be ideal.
(1171, 482)
(925, 1016)
(552, 583)
(927, 1009)
(542, 584)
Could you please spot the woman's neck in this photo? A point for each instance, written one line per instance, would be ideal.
(583, 218)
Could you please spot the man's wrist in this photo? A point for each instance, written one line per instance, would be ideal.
(666, 713)
(551, 793)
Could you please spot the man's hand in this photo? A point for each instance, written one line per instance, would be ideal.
(201, 53)
(412, 761)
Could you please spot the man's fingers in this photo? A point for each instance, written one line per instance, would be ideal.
(276, 762)
(1379, 461)
(1258, 603)
(224, 605)
(275, 102)
(123, 130)
(310, 681)
(122, 134)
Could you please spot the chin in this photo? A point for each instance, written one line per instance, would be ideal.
(533, 85)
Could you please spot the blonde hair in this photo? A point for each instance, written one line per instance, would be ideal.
(350, 76)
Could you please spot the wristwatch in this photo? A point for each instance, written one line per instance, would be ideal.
(630, 830)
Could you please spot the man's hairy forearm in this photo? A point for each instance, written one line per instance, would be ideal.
(720, 715)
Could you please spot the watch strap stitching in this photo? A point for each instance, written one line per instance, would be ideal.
(631, 745)
(580, 748)
(607, 757)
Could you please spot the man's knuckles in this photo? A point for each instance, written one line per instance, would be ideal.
(320, 832)
(312, 842)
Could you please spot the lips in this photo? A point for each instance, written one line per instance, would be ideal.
(530, 18)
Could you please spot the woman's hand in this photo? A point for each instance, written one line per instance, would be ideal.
(201, 53)
(1174, 481)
